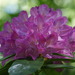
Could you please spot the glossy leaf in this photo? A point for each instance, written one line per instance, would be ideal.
(25, 67)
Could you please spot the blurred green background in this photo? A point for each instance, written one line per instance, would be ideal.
(11, 8)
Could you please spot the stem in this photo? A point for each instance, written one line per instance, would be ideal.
(7, 57)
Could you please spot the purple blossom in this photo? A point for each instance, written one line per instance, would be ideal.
(43, 33)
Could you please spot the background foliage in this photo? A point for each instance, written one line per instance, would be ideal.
(11, 8)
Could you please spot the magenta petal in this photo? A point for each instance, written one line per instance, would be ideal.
(43, 10)
(34, 11)
(7, 27)
(23, 15)
(39, 22)
(65, 30)
(59, 13)
(60, 21)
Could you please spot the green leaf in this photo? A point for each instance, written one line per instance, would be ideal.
(25, 67)
(0, 65)
(69, 71)
(50, 61)
(7, 57)
(49, 72)
(42, 73)
(59, 66)
(4, 69)
(62, 55)
(1, 55)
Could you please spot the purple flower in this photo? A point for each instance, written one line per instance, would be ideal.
(71, 40)
(43, 33)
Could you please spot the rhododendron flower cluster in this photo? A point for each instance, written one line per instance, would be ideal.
(42, 33)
